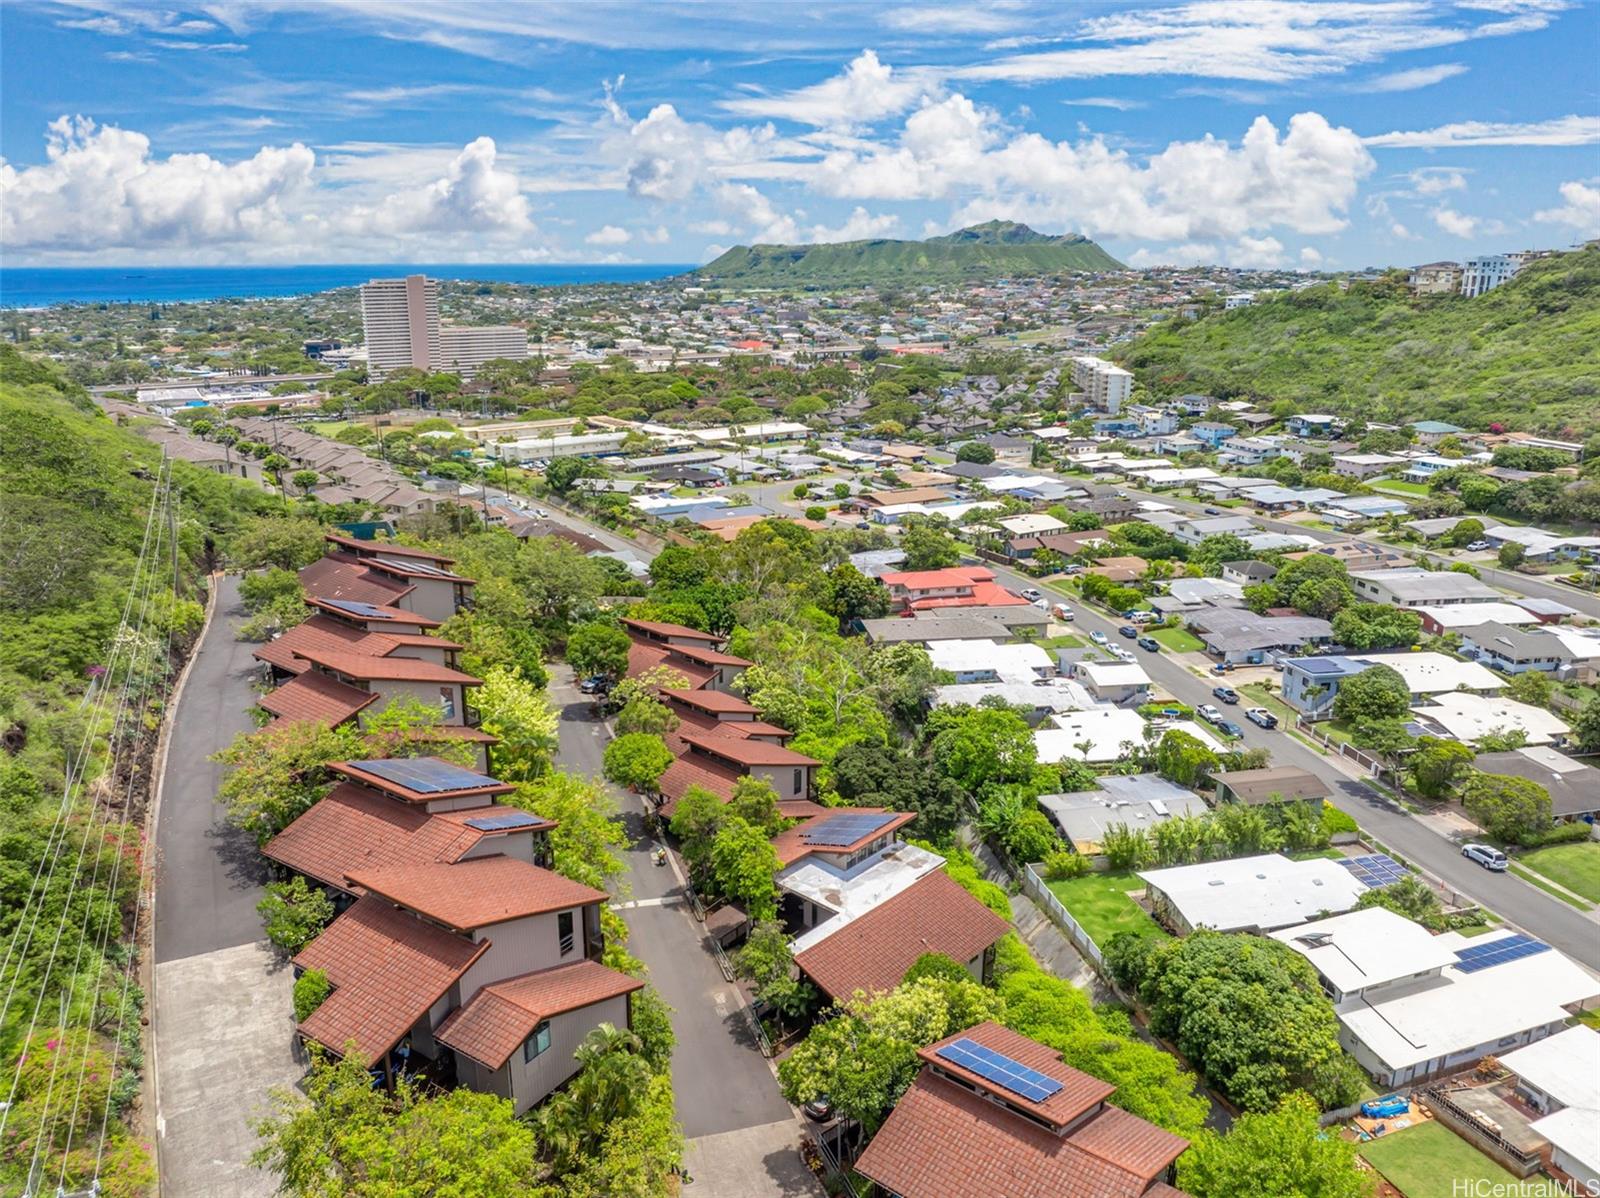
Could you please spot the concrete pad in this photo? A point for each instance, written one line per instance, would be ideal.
(224, 1036)
(753, 1162)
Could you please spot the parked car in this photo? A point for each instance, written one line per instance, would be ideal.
(1213, 511)
(1140, 617)
(1149, 644)
(541, 513)
(599, 684)
(1229, 728)
(1120, 653)
(1129, 631)
(1210, 713)
(1261, 716)
(1485, 855)
(819, 1109)
(1226, 693)
(1032, 593)
(1222, 667)
(1475, 545)
(1064, 613)
(1072, 568)
(1385, 1107)
(1098, 638)
(1042, 603)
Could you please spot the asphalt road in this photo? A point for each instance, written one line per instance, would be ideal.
(1508, 896)
(209, 875)
(720, 1080)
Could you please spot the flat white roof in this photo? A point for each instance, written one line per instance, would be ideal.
(1582, 643)
(1062, 694)
(1011, 663)
(1114, 673)
(1565, 1066)
(850, 895)
(1265, 892)
(1026, 525)
(1431, 673)
(1465, 615)
(1366, 948)
(1453, 1012)
(1574, 1131)
(1468, 717)
(1103, 727)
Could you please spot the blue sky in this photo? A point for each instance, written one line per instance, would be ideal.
(1248, 132)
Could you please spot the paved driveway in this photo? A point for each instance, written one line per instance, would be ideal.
(222, 1020)
(742, 1135)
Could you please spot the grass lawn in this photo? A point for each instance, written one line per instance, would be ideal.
(1590, 1018)
(1533, 879)
(1269, 699)
(1064, 642)
(1335, 730)
(1179, 640)
(1479, 930)
(1575, 866)
(1431, 1161)
(1100, 904)
(1399, 486)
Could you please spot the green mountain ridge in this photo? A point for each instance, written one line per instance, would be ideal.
(995, 249)
(1526, 355)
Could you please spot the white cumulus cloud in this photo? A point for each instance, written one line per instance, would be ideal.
(1581, 209)
(1411, 80)
(609, 235)
(866, 91)
(474, 195)
(1455, 223)
(101, 189)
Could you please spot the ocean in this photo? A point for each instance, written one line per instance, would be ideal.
(37, 287)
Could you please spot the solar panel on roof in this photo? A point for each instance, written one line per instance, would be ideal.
(425, 775)
(1376, 870)
(1498, 952)
(844, 829)
(1000, 1069)
(503, 821)
(1318, 665)
(371, 611)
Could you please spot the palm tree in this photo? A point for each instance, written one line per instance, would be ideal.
(612, 1076)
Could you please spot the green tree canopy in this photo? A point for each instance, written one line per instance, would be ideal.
(1284, 1152)
(1507, 807)
(598, 649)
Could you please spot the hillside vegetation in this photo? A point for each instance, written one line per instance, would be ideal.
(988, 251)
(1526, 355)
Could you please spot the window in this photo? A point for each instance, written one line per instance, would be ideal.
(564, 933)
(799, 782)
(538, 1043)
(447, 702)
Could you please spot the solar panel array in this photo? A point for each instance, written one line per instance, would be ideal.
(425, 775)
(1000, 1069)
(1375, 871)
(845, 829)
(368, 610)
(1315, 665)
(1498, 952)
(503, 821)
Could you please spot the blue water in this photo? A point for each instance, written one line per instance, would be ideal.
(34, 287)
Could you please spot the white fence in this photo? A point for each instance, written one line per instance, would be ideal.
(1033, 885)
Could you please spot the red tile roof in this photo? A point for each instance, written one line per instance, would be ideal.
(339, 576)
(477, 892)
(316, 698)
(801, 809)
(943, 1140)
(712, 701)
(387, 548)
(381, 611)
(500, 1016)
(698, 723)
(747, 752)
(705, 772)
(927, 580)
(402, 669)
(873, 951)
(710, 657)
(387, 969)
(791, 844)
(319, 632)
(984, 594)
(643, 656)
(663, 629)
(484, 786)
(1079, 1091)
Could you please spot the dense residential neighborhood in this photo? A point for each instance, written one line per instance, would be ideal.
(895, 723)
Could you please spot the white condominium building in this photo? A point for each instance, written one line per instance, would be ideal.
(465, 348)
(401, 320)
(1486, 273)
(1106, 385)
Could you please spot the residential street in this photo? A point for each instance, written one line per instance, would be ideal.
(1550, 919)
(742, 1135)
(222, 1020)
